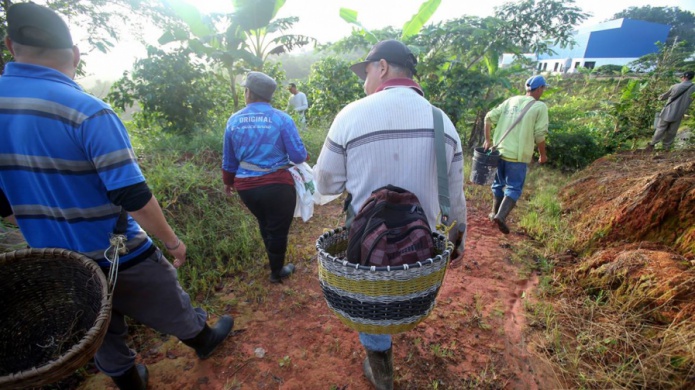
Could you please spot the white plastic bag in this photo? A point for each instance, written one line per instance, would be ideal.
(303, 177)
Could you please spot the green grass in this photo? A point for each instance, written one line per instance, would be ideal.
(541, 214)
(221, 236)
(313, 138)
(592, 340)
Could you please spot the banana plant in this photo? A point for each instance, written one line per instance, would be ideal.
(251, 35)
(410, 28)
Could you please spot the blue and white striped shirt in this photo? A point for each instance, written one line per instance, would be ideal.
(61, 150)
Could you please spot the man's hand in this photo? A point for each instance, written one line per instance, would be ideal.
(178, 251)
(457, 253)
(543, 159)
(487, 145)
(229, 190)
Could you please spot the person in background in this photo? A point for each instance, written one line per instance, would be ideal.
(517, 147)
(678, 99)
(260, 142)
(69, 179)
(388, 138)
(299, 104)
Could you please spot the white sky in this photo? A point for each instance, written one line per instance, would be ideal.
(320, 19)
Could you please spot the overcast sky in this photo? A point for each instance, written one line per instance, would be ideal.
(320, 19)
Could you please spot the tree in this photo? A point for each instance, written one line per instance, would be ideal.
(330, 87)
(682, 22)
(410, 28)
(177, 94)
(458, 59)
(536, 25)
(99, 17)
(250, 37)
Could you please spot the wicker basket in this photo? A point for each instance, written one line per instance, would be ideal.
(54, 313)
(379, 300)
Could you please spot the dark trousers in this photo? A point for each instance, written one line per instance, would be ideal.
(150, 293)
(273, 206)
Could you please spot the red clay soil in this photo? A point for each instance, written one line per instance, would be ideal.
(634, 218)
(661, 280)
(475, 338)
(633, 197)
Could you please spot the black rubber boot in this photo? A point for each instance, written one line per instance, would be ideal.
(209, 338)
(378, 368)
(495, 207)
(501, 217)
(134, 379)
(278, 269)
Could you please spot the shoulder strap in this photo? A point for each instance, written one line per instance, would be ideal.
(440, 153)
(679, 95)
(516, 122)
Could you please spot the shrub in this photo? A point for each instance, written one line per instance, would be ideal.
(572, 149)
(577, 135)
(175, 93)
(330, 87)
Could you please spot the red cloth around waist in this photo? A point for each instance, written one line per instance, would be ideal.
(281, 176)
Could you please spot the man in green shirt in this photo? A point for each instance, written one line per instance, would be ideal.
(517, 146)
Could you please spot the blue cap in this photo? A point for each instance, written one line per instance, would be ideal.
(535, 82)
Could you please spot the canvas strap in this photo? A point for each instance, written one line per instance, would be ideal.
(516, 122)
(440, 153)
(671, 100)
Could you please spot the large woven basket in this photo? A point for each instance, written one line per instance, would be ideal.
(379, 300)
(54, 313)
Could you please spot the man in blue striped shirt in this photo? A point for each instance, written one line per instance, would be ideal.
(68, 173)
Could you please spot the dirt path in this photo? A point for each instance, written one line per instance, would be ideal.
(475, 337)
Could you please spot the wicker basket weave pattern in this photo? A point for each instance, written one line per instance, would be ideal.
(54, 313)
(379, 300)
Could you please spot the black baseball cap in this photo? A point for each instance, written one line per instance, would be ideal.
(688, 74)
(34, 25)
(391, 50)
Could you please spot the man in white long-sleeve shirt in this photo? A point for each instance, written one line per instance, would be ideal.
(299, 104)
(388, 138)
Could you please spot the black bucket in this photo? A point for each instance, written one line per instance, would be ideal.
(484, 166)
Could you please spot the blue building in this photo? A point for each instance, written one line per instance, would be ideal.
(616, 42)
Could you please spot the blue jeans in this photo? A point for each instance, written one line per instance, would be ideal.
(375, 342)
(509, 180)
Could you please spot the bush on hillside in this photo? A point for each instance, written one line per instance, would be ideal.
(331, 86)
(572, 150)
(573, 140)
(176, 94)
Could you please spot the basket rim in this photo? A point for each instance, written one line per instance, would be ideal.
(78, 354)
(444, 256)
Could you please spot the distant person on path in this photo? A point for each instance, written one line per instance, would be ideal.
(388, 138)
(517, 147)
(68, 175)
(299, 104)
(678, 97)
(260, 143)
